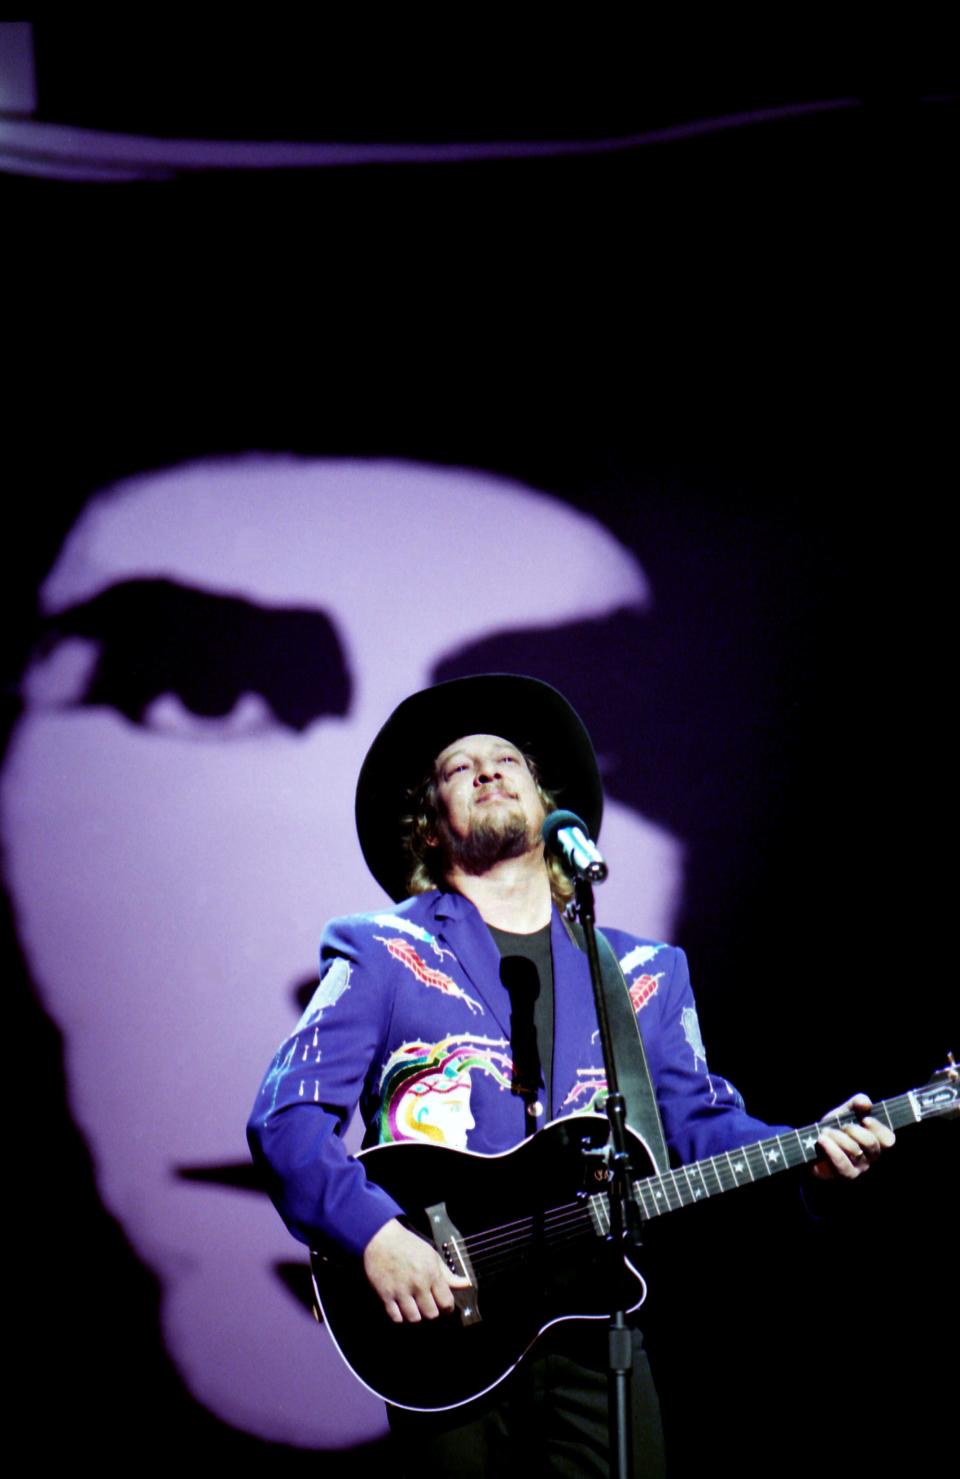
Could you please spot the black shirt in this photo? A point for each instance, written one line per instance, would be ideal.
(526, 970)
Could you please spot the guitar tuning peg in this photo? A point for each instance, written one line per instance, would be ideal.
(950, 1071)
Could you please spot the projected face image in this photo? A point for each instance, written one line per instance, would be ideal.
(226, 638)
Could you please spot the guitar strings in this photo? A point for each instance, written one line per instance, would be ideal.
(507, 1231)
(681, 1186)
(496, 1246)
(518, 1250)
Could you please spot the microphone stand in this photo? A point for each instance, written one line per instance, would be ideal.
(624, 1215)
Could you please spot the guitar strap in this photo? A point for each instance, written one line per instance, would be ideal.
(643, 1116)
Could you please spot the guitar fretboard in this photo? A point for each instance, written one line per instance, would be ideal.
(682, 1187)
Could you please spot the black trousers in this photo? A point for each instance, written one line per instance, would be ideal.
(548, 1417)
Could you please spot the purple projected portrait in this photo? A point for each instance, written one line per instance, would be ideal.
(225, 639)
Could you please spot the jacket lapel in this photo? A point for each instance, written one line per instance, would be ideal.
(457, 923)
(459, 927)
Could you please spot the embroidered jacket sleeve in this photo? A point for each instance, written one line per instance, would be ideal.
(311, 1089)
(702, 1112)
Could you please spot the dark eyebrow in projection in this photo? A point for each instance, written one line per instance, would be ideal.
(625, 676)
(158, 636)
(601, 664)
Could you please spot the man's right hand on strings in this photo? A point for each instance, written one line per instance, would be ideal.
(409, 1275)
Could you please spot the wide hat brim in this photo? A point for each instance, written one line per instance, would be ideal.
(529, 713)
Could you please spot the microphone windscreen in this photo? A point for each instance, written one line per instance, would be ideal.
(557, 820)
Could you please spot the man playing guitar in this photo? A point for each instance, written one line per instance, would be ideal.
(462, 1017)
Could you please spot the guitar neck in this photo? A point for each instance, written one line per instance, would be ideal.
(682, 1187)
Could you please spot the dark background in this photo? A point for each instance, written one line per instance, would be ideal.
(734, 350)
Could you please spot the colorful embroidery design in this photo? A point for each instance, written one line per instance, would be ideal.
(407, 927)
(274, 1078)
(334, 982)
(425, 1088)
(643, 988)
(590, 1082)
(691, 1031)
(403, 951)
(639, 955)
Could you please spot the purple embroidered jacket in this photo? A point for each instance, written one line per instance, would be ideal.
(410, 1019)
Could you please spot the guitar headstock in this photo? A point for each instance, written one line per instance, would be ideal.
(941, 1096)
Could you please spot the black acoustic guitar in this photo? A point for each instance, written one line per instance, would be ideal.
(528, 1229)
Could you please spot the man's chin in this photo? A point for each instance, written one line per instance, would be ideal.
(495, 836)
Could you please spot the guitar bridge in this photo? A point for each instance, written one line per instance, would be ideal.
(452, 1249)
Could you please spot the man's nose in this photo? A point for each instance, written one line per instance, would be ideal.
(485, 775)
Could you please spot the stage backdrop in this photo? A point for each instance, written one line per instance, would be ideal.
(291, 448)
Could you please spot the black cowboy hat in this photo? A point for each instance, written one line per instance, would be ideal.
(530, 714)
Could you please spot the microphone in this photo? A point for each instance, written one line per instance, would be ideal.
(566, 835)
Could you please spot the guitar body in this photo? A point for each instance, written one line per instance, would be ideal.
(528, 1228)
(524, 1227)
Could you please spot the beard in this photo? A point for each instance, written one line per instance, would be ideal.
(491, 839)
